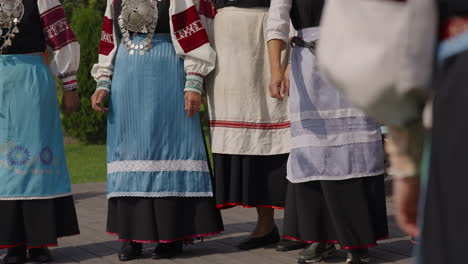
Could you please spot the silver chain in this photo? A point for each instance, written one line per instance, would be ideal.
(11, 13)
(138, 16)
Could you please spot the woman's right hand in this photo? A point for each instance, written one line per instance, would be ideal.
(97, 100)
(276, 83)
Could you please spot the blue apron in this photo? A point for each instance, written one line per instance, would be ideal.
(32, 158)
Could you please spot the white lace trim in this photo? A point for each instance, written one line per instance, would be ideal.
(157, 165)
(159, 194)
(35, 197)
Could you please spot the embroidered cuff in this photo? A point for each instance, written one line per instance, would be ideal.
(70, 83)
(104, 82)
(194, 83)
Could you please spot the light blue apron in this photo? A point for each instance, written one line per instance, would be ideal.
(32, 158)
(153, 148)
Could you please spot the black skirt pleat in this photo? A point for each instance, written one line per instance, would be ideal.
(351, 212)
(37, 223)
(162, 220)
(250, 181)
(445, 228)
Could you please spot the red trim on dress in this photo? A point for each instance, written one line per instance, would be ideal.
(13, 246)
(194, 73)
(333, 241)
(70, 82)
(230, 205)
(50, 245)
(454, 26)
(164, 241)
(249, 125)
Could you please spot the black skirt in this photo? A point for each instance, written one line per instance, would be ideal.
(250, 181)
(351, 213)
(162, 220)
(37, 223)
(445, 228)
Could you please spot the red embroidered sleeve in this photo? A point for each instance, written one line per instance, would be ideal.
(189, 30)
(56, 28)
(207, 9)
(107, 37)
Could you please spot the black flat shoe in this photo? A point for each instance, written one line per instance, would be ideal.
(40, 254)
(257, 242)
(287, 245)
(316, 252)
(15, 255)
(130, 251)
(167, 250)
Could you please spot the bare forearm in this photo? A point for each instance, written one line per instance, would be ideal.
(275, 47)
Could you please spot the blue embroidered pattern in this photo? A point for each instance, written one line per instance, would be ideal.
(18, 156)
(46, 156)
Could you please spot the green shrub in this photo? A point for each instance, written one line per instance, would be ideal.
(86, 125)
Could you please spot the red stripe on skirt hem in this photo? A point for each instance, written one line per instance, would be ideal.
(230, 205)
(164, 241)
(43, 246)
(333, 241)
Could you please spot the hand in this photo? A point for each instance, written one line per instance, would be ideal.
(97, 99)
(406, 198)
(192, 103)
(276, 84)
(70, 101)
(286, 82)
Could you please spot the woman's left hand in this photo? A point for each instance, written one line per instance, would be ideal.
(70, 101)
(192, 103)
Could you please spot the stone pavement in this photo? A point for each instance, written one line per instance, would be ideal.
(95, 246)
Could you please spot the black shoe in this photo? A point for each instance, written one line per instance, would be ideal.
(358, 256)
(15, 255)
(130, 251)
(257, 242)
(316, 252)
(40, 255)
(167, 250)
(287, 245)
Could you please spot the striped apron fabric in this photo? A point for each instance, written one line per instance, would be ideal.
(154, 149)
(331, 140)
(32, 157)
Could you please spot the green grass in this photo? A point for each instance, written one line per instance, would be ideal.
(86, 163)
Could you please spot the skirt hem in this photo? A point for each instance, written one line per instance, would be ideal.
(42, 246)
(231, 205)
(334, 241)
(165, 241)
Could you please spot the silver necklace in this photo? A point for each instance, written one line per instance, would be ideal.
(11, 13)
(138, 16)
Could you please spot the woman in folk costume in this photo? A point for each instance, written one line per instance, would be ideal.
(336, 191)
(249, 129)
(153, 54)
(445, 213)
(36, 203)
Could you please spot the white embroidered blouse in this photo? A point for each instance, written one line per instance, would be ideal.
(190, 22)
(61, 41)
